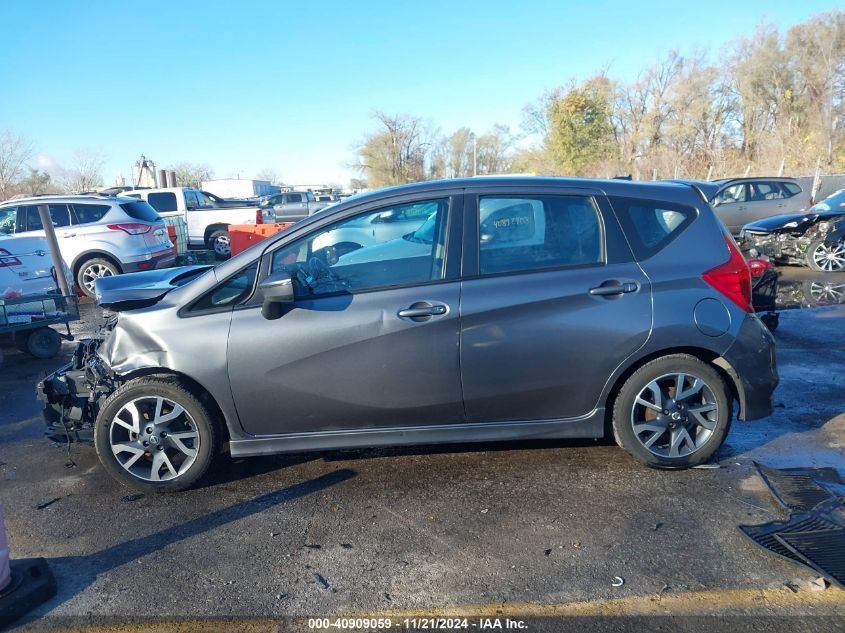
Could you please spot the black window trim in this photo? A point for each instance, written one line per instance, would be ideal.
(471, 269)
(453, 219)
(189, 310)
(672, 236)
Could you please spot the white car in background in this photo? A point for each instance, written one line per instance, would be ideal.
(98, 236)
(26, 268)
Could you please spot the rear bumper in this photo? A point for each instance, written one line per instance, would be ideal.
(161, 259)
(752, 364)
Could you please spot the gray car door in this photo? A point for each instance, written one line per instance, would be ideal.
(551, 304)
(372, 344)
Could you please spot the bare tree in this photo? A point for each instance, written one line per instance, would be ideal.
(191, 174)
(396, 153)
(15, 151)
(86, 173)
(270, 175)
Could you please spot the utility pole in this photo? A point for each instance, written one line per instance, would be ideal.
(53, 244)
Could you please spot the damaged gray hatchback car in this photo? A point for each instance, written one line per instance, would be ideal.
(477, 310)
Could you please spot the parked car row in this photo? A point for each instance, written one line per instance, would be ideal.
(98, 236)
(207, 221)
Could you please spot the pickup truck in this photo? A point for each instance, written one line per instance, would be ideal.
(290, 206)
(208, 222)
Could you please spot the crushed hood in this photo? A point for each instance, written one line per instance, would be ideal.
(138, 290)
(797, 222)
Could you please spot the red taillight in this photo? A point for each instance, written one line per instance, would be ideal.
(145, 265)
(733, 278)
(758, 266)
(7, 259)
(131, 228)
(259, 217)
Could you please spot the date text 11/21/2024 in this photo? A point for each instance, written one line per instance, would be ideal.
(416, 624)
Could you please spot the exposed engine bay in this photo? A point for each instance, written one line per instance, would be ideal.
(73, 393)
(790, 242)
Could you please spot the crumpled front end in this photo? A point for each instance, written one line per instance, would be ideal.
(781, 247)
(72, 394)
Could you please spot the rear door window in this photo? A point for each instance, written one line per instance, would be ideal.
(140, 211)
(88, 213)
(649, 224)
(523, 233)
(761, 191)
(294, 198)
(163, 201)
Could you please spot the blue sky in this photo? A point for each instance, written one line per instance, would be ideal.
(248, 85)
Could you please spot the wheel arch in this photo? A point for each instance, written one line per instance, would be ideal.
(196, 388)
(722, 366)
(211, 228)
(94, 254)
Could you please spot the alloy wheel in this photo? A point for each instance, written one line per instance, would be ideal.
(154, 438)
(830, 257)
(827, 293)
(92, 273)
(221, 246)
(675, 415)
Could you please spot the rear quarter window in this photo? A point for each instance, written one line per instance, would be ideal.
(140, 211)
(163, 201)
(88, 213)
(790, 189)
(651, 224)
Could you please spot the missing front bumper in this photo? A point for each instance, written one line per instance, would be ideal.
(72, 394)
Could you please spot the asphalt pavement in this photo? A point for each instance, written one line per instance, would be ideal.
(522, 529)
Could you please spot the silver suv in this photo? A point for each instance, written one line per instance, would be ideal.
(99, 236)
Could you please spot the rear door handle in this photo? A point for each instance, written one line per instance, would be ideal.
(69, 235)
(423, 311)
(614, 288)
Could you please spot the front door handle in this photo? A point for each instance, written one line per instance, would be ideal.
(69, 235)
(423, 311)
(614, 288)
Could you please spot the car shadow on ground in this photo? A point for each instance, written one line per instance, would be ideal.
(82, 571)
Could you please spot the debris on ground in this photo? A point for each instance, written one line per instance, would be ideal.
(814, 534)
(47, 504)
(618, 581)
(322, 581)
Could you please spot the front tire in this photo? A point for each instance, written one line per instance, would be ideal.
(826, 258)
(673, 412)
(154, 435)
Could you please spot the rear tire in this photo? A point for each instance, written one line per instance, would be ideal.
(220, 244)
(93, 269)
(169, 448)
(664, 431)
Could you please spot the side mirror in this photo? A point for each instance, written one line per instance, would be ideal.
(277, 291)
(384, 217)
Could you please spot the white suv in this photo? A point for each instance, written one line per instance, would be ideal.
(98, 235)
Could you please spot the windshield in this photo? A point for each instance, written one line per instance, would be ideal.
(834, 202)
(424, 234)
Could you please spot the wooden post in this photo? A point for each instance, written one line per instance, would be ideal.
(53, 245)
